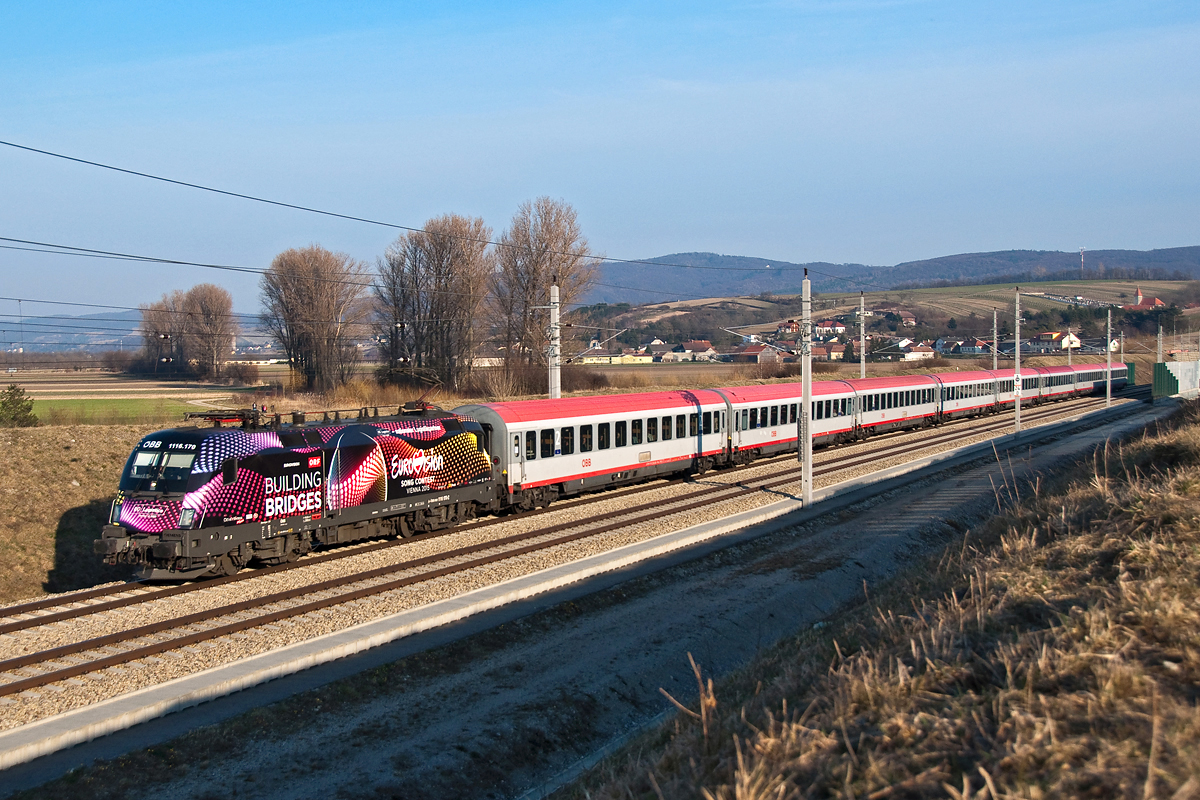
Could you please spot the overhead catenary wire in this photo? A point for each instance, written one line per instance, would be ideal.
(409, 228)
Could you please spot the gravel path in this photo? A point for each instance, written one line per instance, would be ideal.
(77, 692)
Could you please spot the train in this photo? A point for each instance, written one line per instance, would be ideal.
(260, 489)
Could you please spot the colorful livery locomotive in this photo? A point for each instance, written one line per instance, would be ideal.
(195, 501)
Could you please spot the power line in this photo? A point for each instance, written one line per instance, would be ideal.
(412, 229)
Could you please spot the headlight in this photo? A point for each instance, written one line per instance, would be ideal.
(185, 518)
(114, 514)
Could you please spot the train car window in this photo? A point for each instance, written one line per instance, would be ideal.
(517, 446)
(635, 432)
(619, 433)
(666, 429)
(603, 436)
(753, 418)
(530, 445)
(693, 424)
(680, 426)
(652, 430)
(818, 410)
(774, 416)
(845, 406)
(568, 441)
(585, 438)
(708, 428)
(745, 418)
(829, 409)
(548, 443)
(762, 417)
(792, 413)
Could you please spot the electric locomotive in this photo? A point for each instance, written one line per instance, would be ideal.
(206, 501)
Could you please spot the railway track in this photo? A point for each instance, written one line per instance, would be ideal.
(78, 604)
(69, 661)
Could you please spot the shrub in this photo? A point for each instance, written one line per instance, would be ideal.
(244, 374)
(16, 410)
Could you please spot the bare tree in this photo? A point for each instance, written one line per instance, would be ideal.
(314, 307)
(543, 243)
(429, 292)
(211, 327)
(164, 333)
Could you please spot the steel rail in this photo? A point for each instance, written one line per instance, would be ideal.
(657, 510)
(186, 588)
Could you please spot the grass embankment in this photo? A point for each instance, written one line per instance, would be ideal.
(1053, 653)
(134, 411)
(56, 484)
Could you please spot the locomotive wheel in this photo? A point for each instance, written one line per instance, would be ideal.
(224, 567)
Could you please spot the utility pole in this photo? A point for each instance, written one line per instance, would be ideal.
(1108, 362)
(862, 335)
(1082, 276)
(555, 343)
(804, 447)
(1160, 358)
(1123, 348)
(1017, 361)
(1069, 342)
(995, 343)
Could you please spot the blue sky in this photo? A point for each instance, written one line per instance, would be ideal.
(872, 132)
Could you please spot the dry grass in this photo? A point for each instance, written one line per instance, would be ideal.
(56, 484)
(1053, 653)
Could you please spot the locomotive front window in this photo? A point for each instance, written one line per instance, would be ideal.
(603, 433)
(143, 464)
(177, 467)
(635, 432)
(568, 441)
(652, 430)
(158, 472)
(585, 438)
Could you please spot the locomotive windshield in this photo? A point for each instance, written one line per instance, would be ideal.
(151, 471)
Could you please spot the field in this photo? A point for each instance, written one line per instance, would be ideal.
(111, 411)
(959, 302)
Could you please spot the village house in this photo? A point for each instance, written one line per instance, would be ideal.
(919, 352)
(1145, 303)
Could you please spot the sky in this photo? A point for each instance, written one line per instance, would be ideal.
(861, 131)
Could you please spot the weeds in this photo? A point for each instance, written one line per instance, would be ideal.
(1053, 653)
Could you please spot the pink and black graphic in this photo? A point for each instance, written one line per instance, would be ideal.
(194, 479)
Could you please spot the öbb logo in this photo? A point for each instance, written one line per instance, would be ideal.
(314, 462)
(416, 465)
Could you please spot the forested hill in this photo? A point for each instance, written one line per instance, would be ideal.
(639, 283)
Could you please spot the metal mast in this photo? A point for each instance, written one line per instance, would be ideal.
(805, 445)
(1160, 359)
(995, 343)
(1108, 361)
(1069, 342)
(862, 335)
(1017, 357)
(555, 343)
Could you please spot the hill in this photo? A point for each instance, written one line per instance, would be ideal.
(713, 275)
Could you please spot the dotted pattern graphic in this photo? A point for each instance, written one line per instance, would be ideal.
(150, 516)
(462, 464)
(231, 444)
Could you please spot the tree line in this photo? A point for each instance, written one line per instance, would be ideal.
(430, 304)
